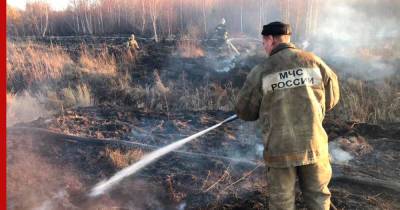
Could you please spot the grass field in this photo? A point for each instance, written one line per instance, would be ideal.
(43, 79)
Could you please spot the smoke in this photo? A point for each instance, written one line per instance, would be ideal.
(24, 108)
(44, 172)
(250, 146)
(359, 37)
(34, 183)
(182, 206)
(338, 155)
(50, 204)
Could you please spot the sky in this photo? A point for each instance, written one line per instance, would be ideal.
(55, 4)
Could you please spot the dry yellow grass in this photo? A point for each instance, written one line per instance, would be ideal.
(29, 64)
(123, 159)
(102, 63)
(366, 101)
(78, 96)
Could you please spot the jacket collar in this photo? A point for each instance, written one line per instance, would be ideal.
(282, 46)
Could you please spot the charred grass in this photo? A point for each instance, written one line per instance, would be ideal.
(57, 79)
(42, 79)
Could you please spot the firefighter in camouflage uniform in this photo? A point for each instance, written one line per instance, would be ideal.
(291, 91)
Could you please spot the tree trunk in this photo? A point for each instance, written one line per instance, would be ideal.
(181, 15)
(143, 16)
(169, 20)
(46, 23)
(154, 15)
(101, 23)
(241, 16)
(88, 24)
(119, 16)
(204, 17)
(78, 24)
(260, 14)
(316, 15)
(288, 11)
(309, 18)
(155, 30)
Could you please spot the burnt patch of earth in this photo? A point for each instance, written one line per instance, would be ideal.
(53, 163)
(58, 170)
(157, 129)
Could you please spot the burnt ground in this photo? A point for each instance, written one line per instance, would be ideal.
(53, 163)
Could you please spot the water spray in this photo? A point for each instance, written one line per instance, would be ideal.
(230, 44)
(105, 185)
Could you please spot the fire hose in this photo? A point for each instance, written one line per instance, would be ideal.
(105, 185)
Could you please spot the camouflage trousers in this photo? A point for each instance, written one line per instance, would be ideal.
(313, 181)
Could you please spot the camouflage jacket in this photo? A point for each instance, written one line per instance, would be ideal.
(291, 91)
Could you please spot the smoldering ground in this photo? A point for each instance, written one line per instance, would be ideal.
(50, 170)
(53, 171)
(43, 174)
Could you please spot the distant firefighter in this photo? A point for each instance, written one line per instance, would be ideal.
(132, 43)
(220, 31)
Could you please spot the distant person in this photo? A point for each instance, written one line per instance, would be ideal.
(132, 44)
(292, 89)
(221, 32)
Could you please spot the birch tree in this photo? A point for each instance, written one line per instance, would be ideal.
(241, 16)
(154, 6)
(204, 16)
(46, 21)
(143, 14)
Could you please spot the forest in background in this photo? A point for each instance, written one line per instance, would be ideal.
(160, 18)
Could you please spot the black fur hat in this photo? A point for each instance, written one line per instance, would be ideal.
(276, 28)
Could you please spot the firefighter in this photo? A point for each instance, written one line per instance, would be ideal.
(132, 43)
(290, 91)
(220, 32)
